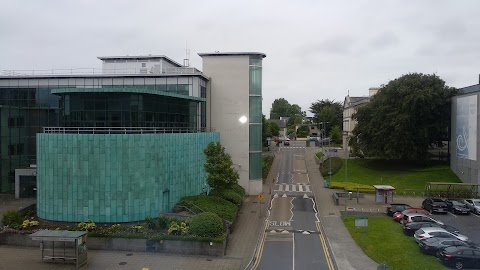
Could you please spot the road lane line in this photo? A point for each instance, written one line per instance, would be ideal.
(325, 247)
(451, 214)
(293, 255)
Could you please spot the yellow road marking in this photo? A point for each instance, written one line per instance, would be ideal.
(325, 248)
(145, 268)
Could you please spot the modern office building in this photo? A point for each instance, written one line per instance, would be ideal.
(464, 133)
(127, 142)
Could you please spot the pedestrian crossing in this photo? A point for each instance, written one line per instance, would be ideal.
(293, 147)
(292, 188)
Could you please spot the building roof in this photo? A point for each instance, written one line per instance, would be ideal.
(140, 57)
(469, 89)
(232, 53)
(355, 101)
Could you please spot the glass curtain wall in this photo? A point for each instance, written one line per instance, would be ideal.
(255, 116)
(23, 113)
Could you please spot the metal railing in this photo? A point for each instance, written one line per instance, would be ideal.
(96, 71)
(123, 130)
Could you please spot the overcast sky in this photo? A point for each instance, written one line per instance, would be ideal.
(315, 49)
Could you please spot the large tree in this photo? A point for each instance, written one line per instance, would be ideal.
(282, 108)
(218, 165)
(404, 119)
(326, 110)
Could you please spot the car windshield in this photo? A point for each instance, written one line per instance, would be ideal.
(457, 203)
(437, 200)
(476, 203)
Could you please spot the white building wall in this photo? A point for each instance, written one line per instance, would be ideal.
(228, 100)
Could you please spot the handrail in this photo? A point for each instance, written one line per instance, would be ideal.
(123, 130)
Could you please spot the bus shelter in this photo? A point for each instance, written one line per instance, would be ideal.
(62, 246)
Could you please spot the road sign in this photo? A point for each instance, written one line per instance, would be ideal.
(260, 197)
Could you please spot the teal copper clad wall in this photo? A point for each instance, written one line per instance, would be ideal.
(117, 177)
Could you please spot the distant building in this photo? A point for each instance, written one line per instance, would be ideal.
(350, 106)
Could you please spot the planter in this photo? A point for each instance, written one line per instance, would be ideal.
(125, 244)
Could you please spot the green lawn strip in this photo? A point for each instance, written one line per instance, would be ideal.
(399, 175)
(386, 243)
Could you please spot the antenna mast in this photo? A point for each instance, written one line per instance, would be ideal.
(186, 61)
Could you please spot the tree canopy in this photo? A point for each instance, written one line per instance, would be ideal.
(330, 111)
(218, 165)
(282, 108)
(404, 119)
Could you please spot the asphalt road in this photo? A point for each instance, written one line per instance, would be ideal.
(292, 239)
(469, 225)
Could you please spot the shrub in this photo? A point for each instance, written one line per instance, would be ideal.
(206, 225)
(336, 164)
(227, 194)
(217, 205)
(267, 162)
(349, 186)
(238, 189)
(151, 223)
(319, 155)
(176, 229)
(29, 223)
(86, 226)
(12, 219)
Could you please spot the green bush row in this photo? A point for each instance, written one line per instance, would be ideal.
(206, 225)
(319, 155)
(13, 219)
(350, 186)
(202, 203)
(267, 162)
(227, 194)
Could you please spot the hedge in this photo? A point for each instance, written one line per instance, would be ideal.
(202, 203)
(319, 155)
(350, 186)
(267, 162)
(227, 194)
(206, 225)
(336, 164)
(238, 189)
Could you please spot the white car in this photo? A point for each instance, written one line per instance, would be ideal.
(429, 232)
(473, 205)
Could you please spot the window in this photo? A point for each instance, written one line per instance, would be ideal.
(144, 64)
(20, 149)
(11, 150)
(20, 122)
(11, 122)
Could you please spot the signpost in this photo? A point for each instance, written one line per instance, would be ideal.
(362, 222)
(260, 198)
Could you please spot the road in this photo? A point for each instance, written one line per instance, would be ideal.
(293, 238)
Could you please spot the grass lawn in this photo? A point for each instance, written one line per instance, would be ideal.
(386, 243)
(400, 175)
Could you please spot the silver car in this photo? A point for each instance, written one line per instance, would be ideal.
(473, 205)
(429, 232)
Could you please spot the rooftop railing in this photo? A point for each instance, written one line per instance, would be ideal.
(95, 71)
(123, 130)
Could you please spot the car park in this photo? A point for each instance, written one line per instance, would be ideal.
(473, 205)
(425, 233)
(457, 207)
(460, 257)
(412, 227)
(434, 244)
(399, 216)
(397, 207)
(434, 205)
(418, 217)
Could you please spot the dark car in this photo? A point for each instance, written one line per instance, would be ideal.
(434, 205)
(286, 142)
(397, 207)
(411, 227)
(460, 257)
(457, 207)
(434, 244)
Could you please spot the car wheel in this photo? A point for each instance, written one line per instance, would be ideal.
(458, 265)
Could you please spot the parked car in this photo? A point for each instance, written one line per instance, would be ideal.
(424, 233)
(460, 257)
(397, 207)
(418, 217)
(399, 216)
(412, 227)
(434, 244)
(434, 205)
(473, 205)
(457, 207)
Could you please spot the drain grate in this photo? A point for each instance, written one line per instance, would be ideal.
(331, 214)
(129, 254)
(209, 260)
(122, 263)
(253, 211)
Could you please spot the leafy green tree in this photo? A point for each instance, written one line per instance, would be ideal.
(218, 165)
(404, 119)
(327, 111)
(264, 130)
(303, 131)
(273, 129)
(282, 108)
(336, 134)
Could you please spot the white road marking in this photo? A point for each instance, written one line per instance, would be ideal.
(451, 214)
(293, 259)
